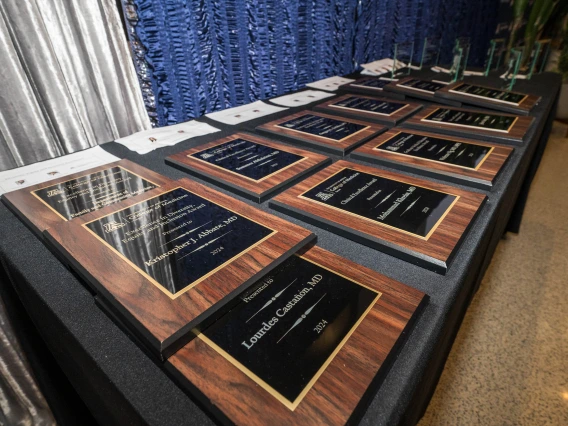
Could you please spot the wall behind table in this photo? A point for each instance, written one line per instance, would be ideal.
(199, 56)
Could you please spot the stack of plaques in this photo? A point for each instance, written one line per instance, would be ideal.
(489, 97)
(329, 133)
(47, 204)
(248, 165)
(373, 86)
(386, 111)
(418, 88)
(476, 124)
(169, 260)
(417, 220)
(457, 159)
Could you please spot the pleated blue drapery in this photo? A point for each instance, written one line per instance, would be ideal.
(199, 56)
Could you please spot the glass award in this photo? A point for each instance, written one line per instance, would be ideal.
(430, 52)
(461, 55)
(538, 58)
(494, 55)
(403, 54)
(513, 66)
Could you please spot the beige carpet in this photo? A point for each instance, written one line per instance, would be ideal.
(509, 363)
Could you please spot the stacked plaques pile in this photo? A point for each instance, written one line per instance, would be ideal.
(228, 297)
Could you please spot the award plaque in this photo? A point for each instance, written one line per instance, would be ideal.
(373, 86)
(46, 204)
(329, 133)
(251, 166)
(488, 97)
(303, 345)
(168, 260)
(459, 160)
(422, 89)
(385, 111)
(419, 221)
(476, 124)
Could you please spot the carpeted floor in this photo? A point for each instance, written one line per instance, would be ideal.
(509, 363)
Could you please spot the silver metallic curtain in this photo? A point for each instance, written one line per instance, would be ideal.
(67, 81)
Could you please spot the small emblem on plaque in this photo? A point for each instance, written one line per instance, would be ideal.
(20, 182)
(113, 226)
(53, 173)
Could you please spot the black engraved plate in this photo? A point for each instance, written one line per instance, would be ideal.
(480, 120)
(372, 83)
(442, 150)
(369, 105)
(324, 127)
(290, 325)
(92, 192)
(489, 93)
(422, 85)
(249, 159)
(412, 209)
(178, 238)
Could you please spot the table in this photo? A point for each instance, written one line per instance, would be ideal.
(119, 384)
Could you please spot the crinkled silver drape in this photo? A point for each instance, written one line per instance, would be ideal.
(67, 81)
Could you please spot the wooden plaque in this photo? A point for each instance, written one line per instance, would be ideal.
(489, 97)
(373, 86)
(325, 331)
(419, 221)
(457, 159)
(59, 200)
(418, 88)
(168, 260)
(476, 124)
(380, 110)
(249, 165)
(330, 133)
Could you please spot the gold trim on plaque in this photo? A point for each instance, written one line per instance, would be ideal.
(203, 277)
(404, 85)
(379, 223)
(292, 405)
(330, 105)
(323, 137)
(491, 148)
(472, 127)
(454, 90)
(238, 174)
(79, 177)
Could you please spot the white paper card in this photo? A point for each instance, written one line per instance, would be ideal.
(244, 113)
(301, 98)
(330, 84)
(148, 140)
(43, 171)
(381, 66)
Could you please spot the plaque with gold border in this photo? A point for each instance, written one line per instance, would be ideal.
(471, 123)
(489, 97)
(421, 89)
(379, 110)
(251, 166)
(168, 261)
(419, 221)
(46, 204)
(459, 160)
(312, 362)
(330, 133)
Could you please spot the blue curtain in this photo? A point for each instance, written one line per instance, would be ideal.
(199, 56)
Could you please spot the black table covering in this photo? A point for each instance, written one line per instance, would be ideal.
(120, 384)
